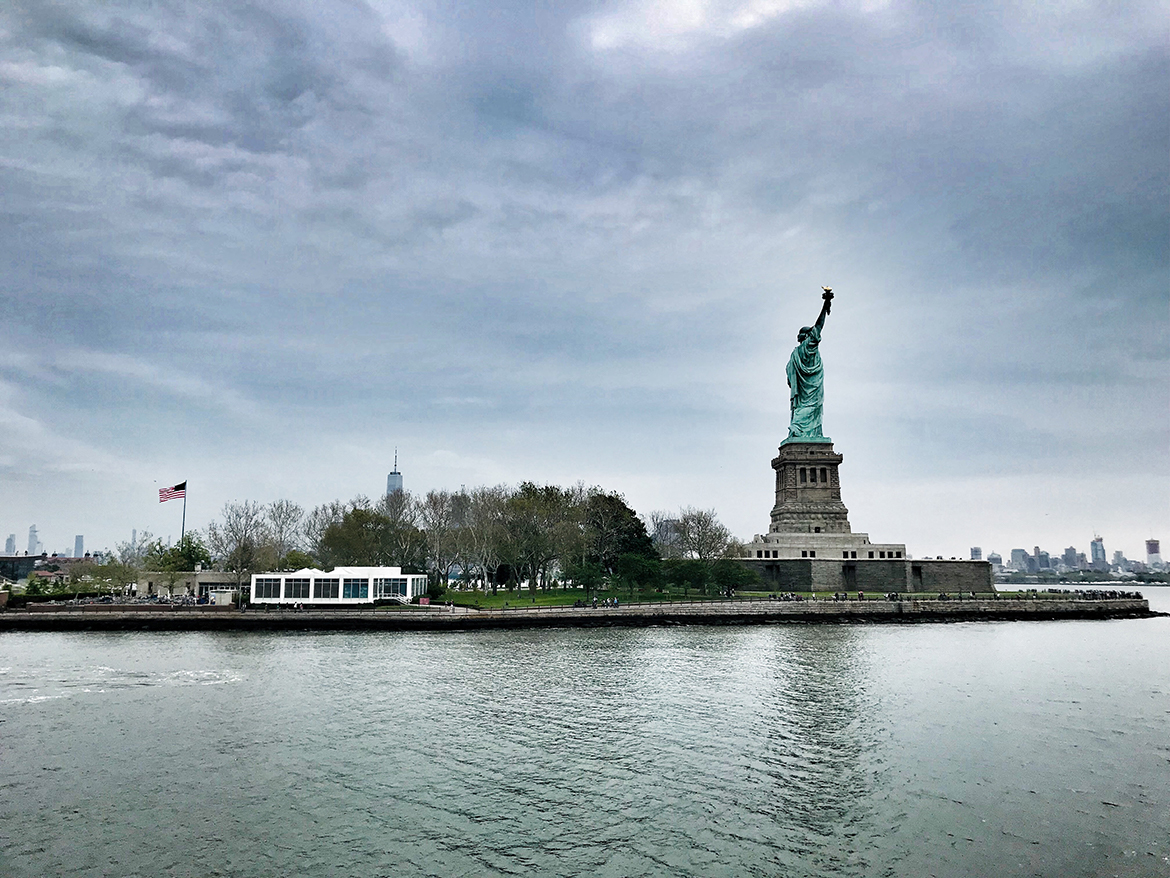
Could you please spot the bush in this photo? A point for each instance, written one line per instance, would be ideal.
(686, 575)
(729, 576)
(638, 571)
(589, 576)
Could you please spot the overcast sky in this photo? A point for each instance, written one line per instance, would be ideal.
(259, 246)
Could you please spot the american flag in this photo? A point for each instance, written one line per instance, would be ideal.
(179, 490)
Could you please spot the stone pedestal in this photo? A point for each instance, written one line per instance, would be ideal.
(809, 521)
(808, 490)
(810, 546)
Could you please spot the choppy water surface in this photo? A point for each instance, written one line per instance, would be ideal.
(965, 749)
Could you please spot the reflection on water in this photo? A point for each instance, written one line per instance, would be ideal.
(1029, 748)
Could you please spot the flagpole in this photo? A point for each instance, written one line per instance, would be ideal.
(183, 526)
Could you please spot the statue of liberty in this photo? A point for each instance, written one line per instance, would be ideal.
(806, 380)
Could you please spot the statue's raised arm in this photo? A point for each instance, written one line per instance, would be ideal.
(827, 296)
(806, 377)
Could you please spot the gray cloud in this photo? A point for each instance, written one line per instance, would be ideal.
(575, 242)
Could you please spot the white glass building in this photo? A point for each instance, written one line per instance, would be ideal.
(342, 586)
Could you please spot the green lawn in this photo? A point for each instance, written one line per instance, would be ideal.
(489, 601)
(560, 597)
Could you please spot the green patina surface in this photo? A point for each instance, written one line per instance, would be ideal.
(806, 382)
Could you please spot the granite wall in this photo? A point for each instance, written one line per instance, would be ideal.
(925, 576)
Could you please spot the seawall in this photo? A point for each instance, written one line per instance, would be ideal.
(632, 616)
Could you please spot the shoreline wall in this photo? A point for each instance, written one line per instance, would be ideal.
(643, 615)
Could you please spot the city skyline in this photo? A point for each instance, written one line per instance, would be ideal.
(257, 248)
(974, 552)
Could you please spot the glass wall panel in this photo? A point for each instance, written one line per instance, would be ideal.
(326, 588)
(355, 589)
(296, 589)
(268, 587)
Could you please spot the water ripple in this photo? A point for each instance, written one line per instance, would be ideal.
(763, 751)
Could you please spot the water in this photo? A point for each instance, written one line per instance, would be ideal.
(964, 749)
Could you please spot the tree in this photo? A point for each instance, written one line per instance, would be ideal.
(536, 520)
(638, 571)
(296, 560)
(356, 539)
(184, 556)
(83, 571)
(366, 535)
(685, 574)
(317, 522)
(285, 527)
(132, 554)
(587, 575)
(241, 541)
(613, 529)
(438, 514)
(483, 533)
(701, 536)
(405, 543)
(115, 575)
(172, 562)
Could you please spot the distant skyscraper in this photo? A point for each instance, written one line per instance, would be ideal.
(995, 560)
(394, 479)
(79, 545)
(32, 539)
(10, 545)
(1043, 561)
(1097, 559)
(1118, 558)
(1020, 559)
(1070, 558)
(667, 537)
(976, 553)
(1153, 552)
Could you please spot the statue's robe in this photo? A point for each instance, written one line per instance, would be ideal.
(806, 388)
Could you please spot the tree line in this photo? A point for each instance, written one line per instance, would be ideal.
(531, 536)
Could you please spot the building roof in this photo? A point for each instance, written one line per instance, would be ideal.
(341, 572)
